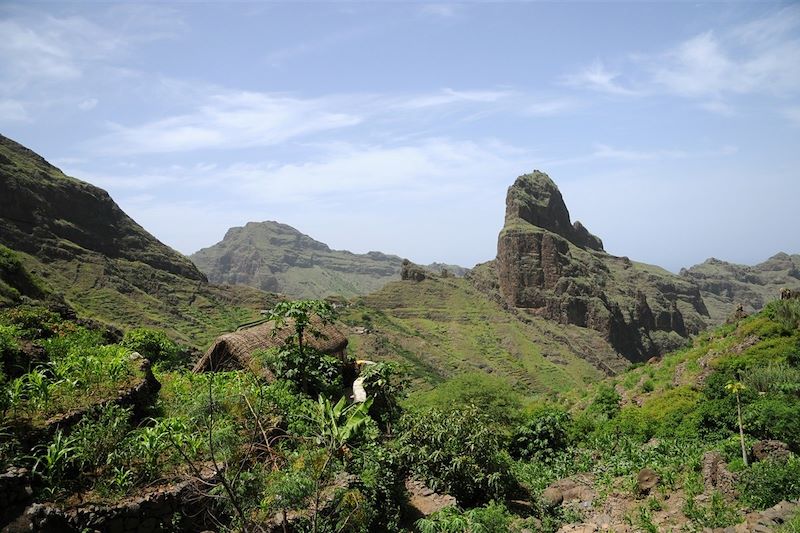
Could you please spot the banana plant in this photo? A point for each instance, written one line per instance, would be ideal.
(339, 423)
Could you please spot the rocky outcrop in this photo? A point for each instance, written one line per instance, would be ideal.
(558, 270)
(423, 501)
(412, 272)
(149, 512)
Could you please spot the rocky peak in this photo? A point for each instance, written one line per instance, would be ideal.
(552, 268)
(535, 199)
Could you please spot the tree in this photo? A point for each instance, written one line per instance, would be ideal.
(736, 387)
(300, 315)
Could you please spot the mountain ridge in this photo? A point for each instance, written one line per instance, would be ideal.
(276, 257)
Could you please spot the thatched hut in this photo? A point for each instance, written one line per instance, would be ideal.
(234, 351)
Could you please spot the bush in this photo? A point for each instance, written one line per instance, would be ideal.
(313, 371)
(775, 417)
(606, 402)
(33, 322)
(458, 452)
(155, 346)
(768, 482)
(541, 436)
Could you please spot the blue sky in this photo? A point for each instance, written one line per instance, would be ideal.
(672, 129)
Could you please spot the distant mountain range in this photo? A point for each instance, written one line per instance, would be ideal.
(275, 257)
(724, 285)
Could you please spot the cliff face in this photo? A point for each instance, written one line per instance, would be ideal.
(726, 285)
(558, 270)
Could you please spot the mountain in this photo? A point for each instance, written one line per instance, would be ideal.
(725, 285)
(552, 268)
(275, 257)
(76, 242)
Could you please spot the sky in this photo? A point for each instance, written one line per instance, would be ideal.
(672, 129)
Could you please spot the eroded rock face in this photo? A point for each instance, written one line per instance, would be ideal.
(558, 270)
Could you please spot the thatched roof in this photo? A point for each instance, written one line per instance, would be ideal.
(234, 351)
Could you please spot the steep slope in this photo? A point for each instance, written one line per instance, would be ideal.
(276, 257)
(442, 327)
(726, 285)
(558, 270)
(76, 240)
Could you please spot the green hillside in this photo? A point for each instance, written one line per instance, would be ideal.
(442, 327)
(84, 251)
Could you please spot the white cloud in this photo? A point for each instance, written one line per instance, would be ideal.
(229, 119)
(450, 96)
(759, 57)
(707, 65)
(545, 108)
(598, 78)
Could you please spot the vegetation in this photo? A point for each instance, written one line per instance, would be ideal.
(292, 450)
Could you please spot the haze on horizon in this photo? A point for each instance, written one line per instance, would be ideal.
(672, 129)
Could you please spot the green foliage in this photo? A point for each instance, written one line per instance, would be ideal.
(787, 314)
(33, 322)
(606, 402)
(717, 513)
(456, 451)
(314, 371)
(340, 423)
(542, 435)
(491, 518)
(494, 396)
(773, 378)
(765, 483)
(156, 346)
(385, 383)
(775, 417)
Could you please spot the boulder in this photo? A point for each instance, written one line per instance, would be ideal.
(647, 480)
(772, 450)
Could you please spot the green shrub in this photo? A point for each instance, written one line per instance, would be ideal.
(765, 483)
(456, 451)
(787, 314)
(775, 417)
(492, 518)
(313, 371)
(606, 402)
(33, 322)
(542, 435)
(155, 346)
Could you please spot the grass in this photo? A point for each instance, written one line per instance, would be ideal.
(442, 328)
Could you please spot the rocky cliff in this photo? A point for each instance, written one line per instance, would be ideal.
(725, 285)
(553, 268)
(276, 257)
(78, 244)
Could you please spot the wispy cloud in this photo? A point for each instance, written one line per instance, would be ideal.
(604, 151)
(450, 96)
(440, 10)
(230, 119)
(598, 78)
(757, 57)
(551, 107)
